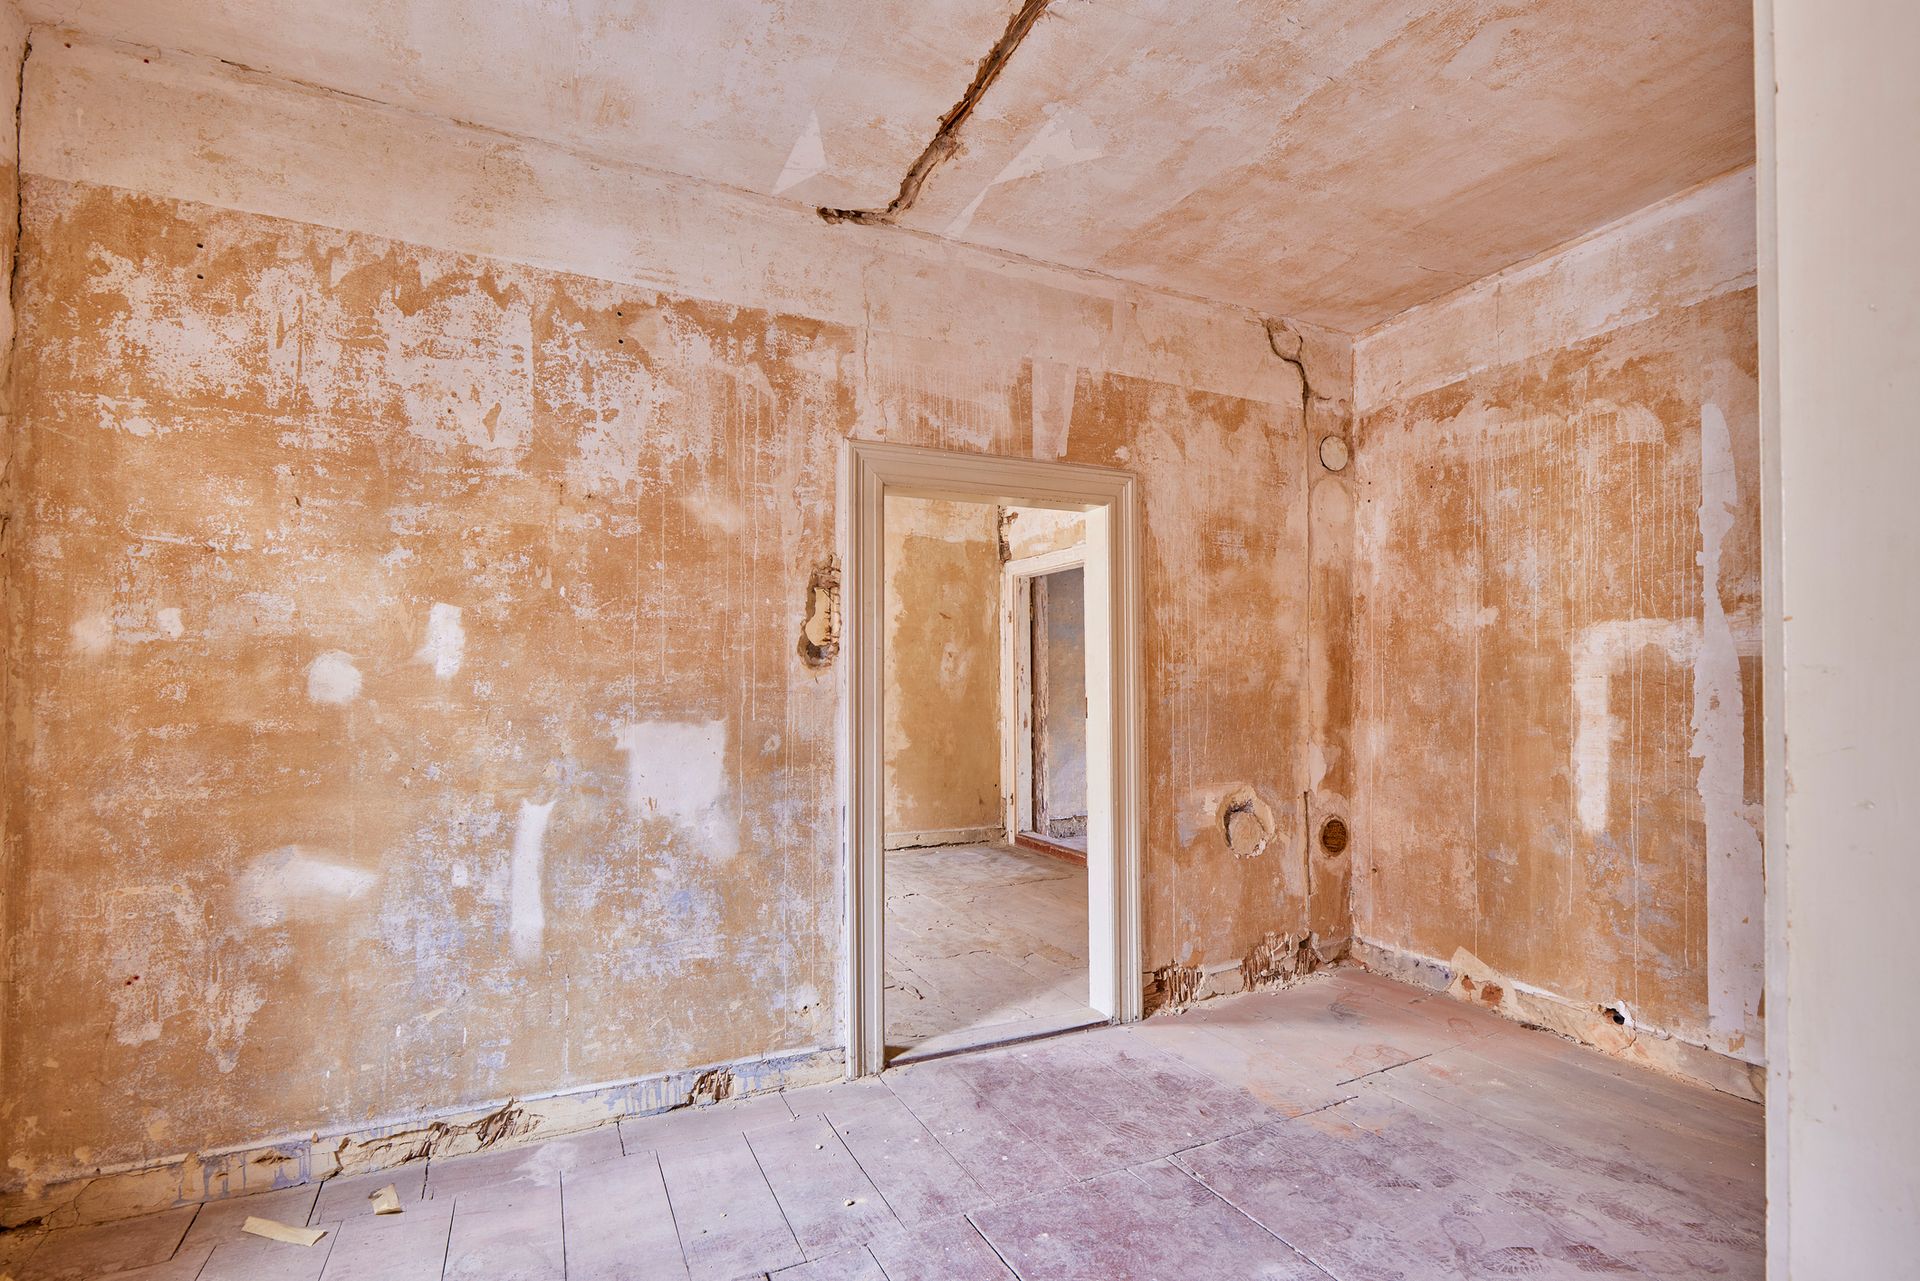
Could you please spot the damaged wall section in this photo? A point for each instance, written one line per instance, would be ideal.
(1558, 559)
(412, 570)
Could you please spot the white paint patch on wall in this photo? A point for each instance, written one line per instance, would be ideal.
(293, 881)
(1735, 892)
(446, 641)
(677, 770)
(526, 903)
(92, 634)
(1053, 387)
(1598, 652)
(332, 678)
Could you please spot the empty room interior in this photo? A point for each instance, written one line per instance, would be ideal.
(1035, 640)
(987, 927)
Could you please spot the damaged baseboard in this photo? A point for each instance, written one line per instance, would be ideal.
(1609, 1029)
(124, 1191)
(943, 836)
(1276, 961)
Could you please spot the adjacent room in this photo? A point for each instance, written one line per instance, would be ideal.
(1021, 640)
(987, 929)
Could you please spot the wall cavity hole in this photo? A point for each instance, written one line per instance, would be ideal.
(1246, 823)
(1334, 836)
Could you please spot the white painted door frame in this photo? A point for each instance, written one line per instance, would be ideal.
(869, 472)
(1016, 678)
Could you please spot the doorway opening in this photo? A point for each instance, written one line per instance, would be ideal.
(992, 782)
(986, 918)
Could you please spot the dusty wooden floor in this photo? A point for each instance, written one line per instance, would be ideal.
(1346, 1128)
(980, 937)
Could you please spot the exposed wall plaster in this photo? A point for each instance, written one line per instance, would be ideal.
(606, 438)
(1558, 606)
(333, 678)
(941, 742)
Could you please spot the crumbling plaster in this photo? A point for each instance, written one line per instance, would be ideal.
(1557, 629)
(411, 714)
(262, 606)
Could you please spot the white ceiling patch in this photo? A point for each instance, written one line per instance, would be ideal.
(1053, 147)
(808, 159)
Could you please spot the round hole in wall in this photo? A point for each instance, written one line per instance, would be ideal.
(1333, 835)
(1334, 454)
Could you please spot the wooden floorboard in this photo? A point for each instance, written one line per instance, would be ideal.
(1344, 1129)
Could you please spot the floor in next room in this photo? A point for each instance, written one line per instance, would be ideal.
(983, 942)
(1345, 1129)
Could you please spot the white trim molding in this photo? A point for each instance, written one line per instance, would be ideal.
(870, 471)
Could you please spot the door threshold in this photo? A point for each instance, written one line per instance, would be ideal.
(1044, 845)
(993, 1035)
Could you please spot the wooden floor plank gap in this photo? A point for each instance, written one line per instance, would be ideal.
(758, 1165)
(1388, 1068)
(1213, 1192)
(673, 1212)
(446, 1251)
(1005, 1262)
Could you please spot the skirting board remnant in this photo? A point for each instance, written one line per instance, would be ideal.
(123, 1192)
(1609, 1029)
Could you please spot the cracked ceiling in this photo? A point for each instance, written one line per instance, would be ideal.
(1332, 161)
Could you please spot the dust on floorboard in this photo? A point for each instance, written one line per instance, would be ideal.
(1348, 1128)
(982, 936)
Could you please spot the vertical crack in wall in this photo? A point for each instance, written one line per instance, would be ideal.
(946, 139)
(1291, 346)
(8, 535)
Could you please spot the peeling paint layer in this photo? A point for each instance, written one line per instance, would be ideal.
(1558, 636)
(557, 526)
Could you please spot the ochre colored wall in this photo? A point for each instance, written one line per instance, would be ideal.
(410, 712)
(406, 704)
(1558, 625)
(942, 652)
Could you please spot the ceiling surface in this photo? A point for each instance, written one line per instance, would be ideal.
(1333, 161)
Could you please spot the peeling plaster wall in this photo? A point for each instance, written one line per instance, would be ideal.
(1558, 624)
(942, 670)
(406, 709)
(13, 49)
